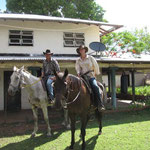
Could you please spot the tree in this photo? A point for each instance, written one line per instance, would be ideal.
(41, 7)
(136, 42)
(87, 9)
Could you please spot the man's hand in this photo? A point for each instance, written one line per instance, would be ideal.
(53, 78)
(79, 75)
(42, 74)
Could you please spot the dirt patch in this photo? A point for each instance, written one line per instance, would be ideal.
(12, 123)
(12, 129)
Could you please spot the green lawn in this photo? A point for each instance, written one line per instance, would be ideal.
(121, 131)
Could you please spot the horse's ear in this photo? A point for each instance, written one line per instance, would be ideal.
(22, 68)
(65, 73)
(15, 68)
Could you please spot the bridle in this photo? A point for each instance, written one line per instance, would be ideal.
(22, 85)
(69, 90)
(16, 88)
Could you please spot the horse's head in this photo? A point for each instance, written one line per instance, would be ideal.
(60, 87)
(15, 81)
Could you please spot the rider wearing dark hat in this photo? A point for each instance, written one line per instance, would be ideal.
(48, 52)
(88, 65)
(49, 65)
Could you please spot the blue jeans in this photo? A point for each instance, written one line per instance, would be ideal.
(50, 87)
(95, 89)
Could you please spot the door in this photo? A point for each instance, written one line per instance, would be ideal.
(11, 103)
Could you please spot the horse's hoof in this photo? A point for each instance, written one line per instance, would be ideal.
(83, 146)
(99, 133)
(63, 123)
(70, 147)
(49, 134)
(32, 136)
(68, 127)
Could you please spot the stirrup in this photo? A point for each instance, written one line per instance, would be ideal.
(101, 108)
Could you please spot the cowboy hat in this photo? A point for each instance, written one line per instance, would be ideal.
(48, 52)
(82, 47)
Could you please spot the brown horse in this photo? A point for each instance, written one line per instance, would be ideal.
(72, 90)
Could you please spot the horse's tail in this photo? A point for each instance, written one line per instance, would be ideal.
(103, 91)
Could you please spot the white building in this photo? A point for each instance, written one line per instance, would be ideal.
(25, 37)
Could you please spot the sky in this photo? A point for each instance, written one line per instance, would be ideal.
(130, 13)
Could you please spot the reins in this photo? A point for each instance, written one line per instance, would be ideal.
(29, 85)
(68, 103)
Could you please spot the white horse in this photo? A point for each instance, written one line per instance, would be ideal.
(37, 95)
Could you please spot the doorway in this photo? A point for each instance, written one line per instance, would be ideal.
(11, 103)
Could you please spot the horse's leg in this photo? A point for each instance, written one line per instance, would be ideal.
(98, 115)
(72, 119)
(45, 113)
(84, 120)
(66, 121)
(35, 116)
(88, 117)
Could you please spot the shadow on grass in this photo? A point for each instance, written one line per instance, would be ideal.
(117, 118)
(31, 143)
(90, 144)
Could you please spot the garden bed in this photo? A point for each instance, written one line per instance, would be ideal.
(129, 97)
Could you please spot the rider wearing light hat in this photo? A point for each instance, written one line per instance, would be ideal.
(88, 65)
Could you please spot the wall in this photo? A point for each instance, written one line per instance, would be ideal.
(46, 35)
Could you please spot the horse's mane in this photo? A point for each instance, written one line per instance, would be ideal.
(75, 82)
(28, 74)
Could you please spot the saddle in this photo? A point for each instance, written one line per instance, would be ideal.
(85, 78)
(43, 81)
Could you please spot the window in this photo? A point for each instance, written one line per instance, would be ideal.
(73, 39)
(20, 38)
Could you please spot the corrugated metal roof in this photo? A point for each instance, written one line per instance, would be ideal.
(20, 58)
(72, 58)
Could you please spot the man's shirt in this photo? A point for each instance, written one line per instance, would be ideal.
(50, 66)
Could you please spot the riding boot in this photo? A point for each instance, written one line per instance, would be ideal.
(50, 100)
(101, 106)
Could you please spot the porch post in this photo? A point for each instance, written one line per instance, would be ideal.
(109, 82)
(133, 85)
(113, 87)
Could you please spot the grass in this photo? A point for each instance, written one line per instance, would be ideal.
(121, 131)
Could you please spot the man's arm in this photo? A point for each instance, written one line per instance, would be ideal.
(77, 68)
(96, 66)
(57, 67)
(42, 72)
